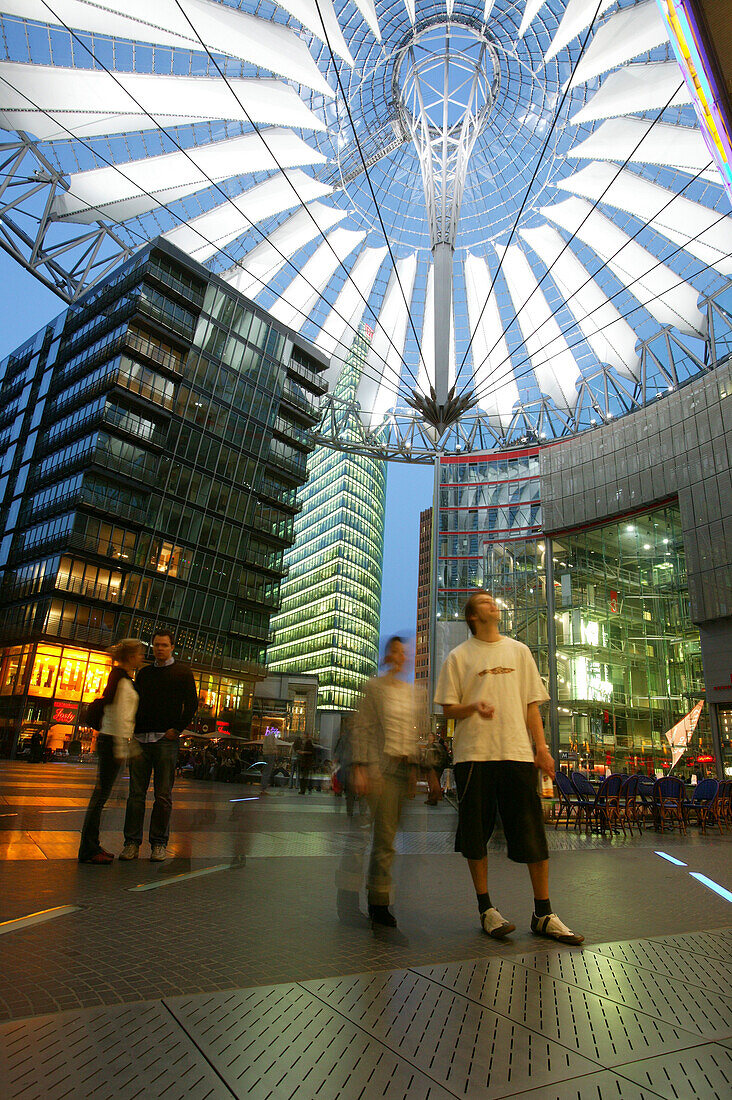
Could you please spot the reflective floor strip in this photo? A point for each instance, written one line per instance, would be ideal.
(172, 880)
(37, 918)
(671, 859)
(252, 798)
(712, 885)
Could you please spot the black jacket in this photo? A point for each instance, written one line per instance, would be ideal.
(168, 698)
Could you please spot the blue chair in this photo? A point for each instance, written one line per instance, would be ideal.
(705, 804)
(568, 804)
(586, 796)
(645, 793)
(631, 806)
(668, 803)
(607, 804)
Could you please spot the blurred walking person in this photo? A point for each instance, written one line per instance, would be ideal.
(436, 760)
(385, 767)
(307, 763)
(114, 741)
(168, 702)
(269, 751)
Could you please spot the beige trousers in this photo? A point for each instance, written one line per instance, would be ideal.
(386, 808)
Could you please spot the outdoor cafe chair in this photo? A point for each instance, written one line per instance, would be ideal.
(705, 804)
(645, 793)
(631, 806)
(668, 803)
(586, 796)
(724, 802)
(568, 804)
(607, 804)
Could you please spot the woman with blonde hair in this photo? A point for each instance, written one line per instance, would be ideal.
(114, 741)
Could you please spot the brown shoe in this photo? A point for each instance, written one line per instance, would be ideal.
(101, 859)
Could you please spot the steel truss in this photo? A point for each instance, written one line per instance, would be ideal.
(67, 260)
(666, 362)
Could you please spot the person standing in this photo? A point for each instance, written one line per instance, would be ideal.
(435, 762)
(385, 767)
(491, 687)
(120, 700)
(307, 763)
(269, 751)
(168, 702)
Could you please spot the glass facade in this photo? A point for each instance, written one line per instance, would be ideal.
(607, 618)
(151, 466)
(328, 624)
(628, 657)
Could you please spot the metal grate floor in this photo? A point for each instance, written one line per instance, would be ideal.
(615, 1022)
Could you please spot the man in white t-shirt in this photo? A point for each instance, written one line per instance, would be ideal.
(491, 686)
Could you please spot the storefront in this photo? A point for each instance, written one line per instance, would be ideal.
(46, 688)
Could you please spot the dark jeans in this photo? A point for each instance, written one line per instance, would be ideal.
(305, 781)
(107, 773)
(157, 758)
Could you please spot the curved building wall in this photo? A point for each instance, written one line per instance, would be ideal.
(611, 557)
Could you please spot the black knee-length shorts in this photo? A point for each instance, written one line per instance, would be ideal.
(509, 787)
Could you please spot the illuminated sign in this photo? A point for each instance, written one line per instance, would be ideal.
(222, 728)
(680, 735)
(64, 714)
(688, 45)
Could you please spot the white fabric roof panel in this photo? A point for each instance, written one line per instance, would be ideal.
(185, 24)
(531, 9)
(342, 323)
(578, 15)
(320, 18)
(368, 11)
(648, 86)
(642, 142)
(89, 102)
(426, 376)
(659, 289)
(203, 236)
(262, 263)
(626, 34)
(606, 331)
(127, 190)
(554, 365)
(297, 300)
(702, 232)
(494, 383)
(380, 379)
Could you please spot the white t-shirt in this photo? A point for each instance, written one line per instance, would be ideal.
(400, 734)
(504, 674)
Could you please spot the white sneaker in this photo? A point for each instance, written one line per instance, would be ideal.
(158, 853)
(130, 850)
(554, 929)
(495, 925)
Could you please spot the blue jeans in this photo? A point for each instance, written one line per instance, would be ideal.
(157, 759)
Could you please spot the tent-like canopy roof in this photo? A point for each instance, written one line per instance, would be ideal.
(510, 200)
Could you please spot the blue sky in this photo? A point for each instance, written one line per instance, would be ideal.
(26, 305)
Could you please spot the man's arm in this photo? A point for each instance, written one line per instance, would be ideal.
(464, 710)
(190, 703)
(542, 757)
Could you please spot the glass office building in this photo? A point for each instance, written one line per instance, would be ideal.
(152, 440)
(328, 624)
(603, 607)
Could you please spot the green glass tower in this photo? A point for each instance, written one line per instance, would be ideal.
(328, 624)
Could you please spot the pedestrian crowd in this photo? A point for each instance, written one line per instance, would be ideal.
(489, 686)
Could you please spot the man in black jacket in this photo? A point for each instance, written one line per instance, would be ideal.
(168, 703)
